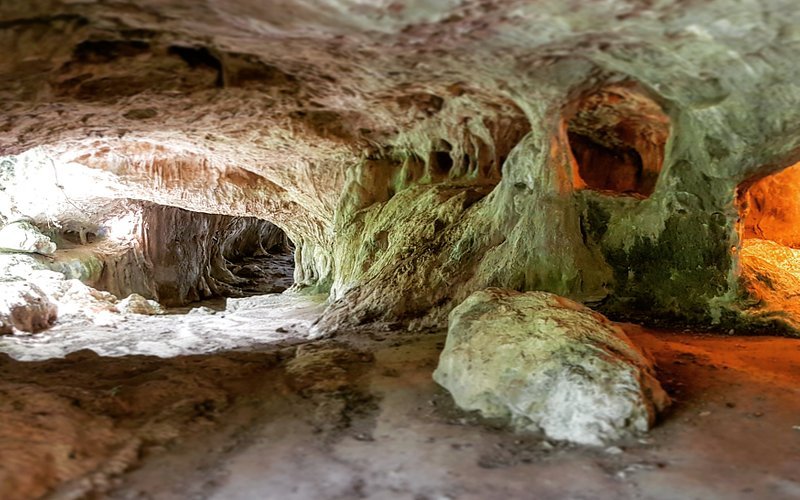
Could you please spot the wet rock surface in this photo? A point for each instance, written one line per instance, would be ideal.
(546, 363)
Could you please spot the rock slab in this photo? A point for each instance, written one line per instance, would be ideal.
(546, 363)
(24, 307)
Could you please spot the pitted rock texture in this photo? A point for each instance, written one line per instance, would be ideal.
(547, 363)
(24, 307)
(422, 141)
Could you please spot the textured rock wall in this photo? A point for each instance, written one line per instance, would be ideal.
(770, 208)
(417, 152)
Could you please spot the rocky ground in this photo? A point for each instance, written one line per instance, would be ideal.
(359, 416)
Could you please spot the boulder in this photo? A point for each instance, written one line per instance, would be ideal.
(24, 307)
(22, 236)
(136, 304)
(546, 363)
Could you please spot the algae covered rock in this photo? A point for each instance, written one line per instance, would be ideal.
(548, 364)
(22, 236)
(24, 307)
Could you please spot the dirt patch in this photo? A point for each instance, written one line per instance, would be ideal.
(360, 417)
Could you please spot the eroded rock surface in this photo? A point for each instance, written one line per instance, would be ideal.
(547, 363)
(429, 142)
(25, 307)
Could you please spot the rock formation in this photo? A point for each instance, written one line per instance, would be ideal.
(510, 165)
(547, 363)
(415, 153)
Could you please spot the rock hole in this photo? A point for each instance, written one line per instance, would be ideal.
(104, 51)
(440, 163)
(199, 57)
(617, 137)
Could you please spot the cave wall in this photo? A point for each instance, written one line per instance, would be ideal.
(770, 207)
(417, 154)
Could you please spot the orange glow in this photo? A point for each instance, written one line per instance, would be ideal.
(770, 253)
(771, 208)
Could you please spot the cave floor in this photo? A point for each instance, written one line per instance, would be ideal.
(358, 416)
(205, 327)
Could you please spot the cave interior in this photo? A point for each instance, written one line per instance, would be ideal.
(399, 249)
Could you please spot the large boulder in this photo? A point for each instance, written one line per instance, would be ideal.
(22, 236)
(548, 364)
(24, 307)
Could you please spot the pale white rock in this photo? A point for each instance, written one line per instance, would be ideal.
(18, 266)
(136, 304)
(22, 236)
(548, 364)
(25, 307)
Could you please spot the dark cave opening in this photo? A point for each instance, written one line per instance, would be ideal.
(617, 137)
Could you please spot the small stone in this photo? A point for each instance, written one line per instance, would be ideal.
(202, 311)
(136, 304)
(613, 450)
(705, 413)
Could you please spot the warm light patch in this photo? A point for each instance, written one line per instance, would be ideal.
(770, 255)
(771, 208)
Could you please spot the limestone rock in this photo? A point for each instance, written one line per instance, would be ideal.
(22, 236)
(136, 304)
(25, 307)
(18, 266)
(547, 363)
(410, 178)
(76, 301)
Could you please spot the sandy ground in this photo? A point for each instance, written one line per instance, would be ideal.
(358, 416)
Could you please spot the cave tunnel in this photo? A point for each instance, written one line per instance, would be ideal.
(399, 249)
